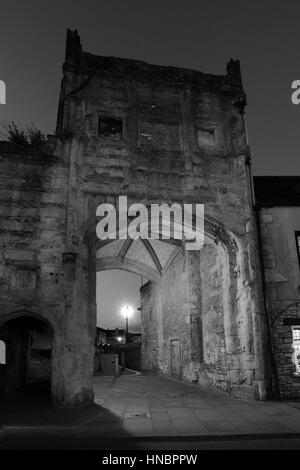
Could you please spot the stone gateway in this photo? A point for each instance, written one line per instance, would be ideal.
(156, 135)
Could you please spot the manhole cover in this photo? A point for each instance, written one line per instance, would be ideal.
(137, 414)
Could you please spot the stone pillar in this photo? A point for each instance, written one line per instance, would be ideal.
(194, 296)
(195, 305)
(73, 350)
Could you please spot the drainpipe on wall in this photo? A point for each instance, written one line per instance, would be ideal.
(274, 372)
(268, 317)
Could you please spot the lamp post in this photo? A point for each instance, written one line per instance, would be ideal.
(126, 311)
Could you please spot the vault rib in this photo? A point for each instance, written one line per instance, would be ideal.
(153, 254)
(125, 247)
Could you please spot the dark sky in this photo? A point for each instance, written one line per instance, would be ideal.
(204, 35)
(198, 34)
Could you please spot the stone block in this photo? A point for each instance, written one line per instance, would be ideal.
(266, 218)
(20, 255)
(247, 392)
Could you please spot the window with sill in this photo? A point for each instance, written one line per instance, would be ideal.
(296, 347)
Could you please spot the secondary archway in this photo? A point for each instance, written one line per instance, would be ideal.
(28, 339)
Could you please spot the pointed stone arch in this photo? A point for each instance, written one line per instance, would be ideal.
(18, 327)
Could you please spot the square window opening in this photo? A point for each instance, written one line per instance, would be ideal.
(110, 127)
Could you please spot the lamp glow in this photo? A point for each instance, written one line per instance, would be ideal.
(126, 311)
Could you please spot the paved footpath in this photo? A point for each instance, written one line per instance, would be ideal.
(155, 407)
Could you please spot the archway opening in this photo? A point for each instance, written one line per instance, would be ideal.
(118, 332)
(187, 304)
(28, 342)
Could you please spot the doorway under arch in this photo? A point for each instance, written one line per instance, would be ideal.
(28, 339)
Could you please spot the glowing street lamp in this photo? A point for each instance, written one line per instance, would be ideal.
(127, 312)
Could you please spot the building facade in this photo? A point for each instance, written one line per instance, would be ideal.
(278, 208)
(101, 335)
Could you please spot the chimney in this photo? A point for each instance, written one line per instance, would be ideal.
(73, 48)
(234, 73)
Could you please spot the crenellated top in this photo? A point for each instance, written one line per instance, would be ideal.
(80, 61)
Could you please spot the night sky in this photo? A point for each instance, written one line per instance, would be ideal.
(115, 289)
(197, 34)
(203, 35)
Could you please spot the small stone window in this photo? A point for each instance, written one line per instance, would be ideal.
(206, 137)
(2, 353)
(296, 347)
(297, 235)
(110, 127)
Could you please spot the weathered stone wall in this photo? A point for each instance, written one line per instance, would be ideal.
(34, 269)
(282, 276)
(149, 326)
(213, 298)
(174, 322)
(166, 317)
(192, 304)
(33, 219)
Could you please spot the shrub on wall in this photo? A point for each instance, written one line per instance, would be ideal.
(20, 135)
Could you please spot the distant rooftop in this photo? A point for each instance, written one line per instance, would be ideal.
(277, 190)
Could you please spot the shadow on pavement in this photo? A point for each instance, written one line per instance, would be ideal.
(29, 422)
